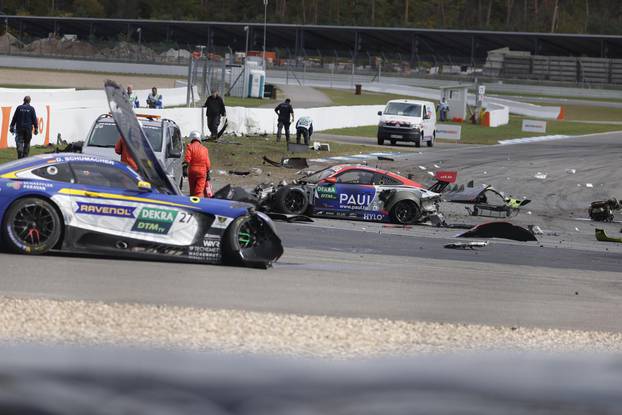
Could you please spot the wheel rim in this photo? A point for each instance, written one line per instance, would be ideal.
(33, 224)
(294, 201)
(246, 236)
(404, 212)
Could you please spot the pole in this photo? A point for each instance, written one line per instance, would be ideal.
(140, 32)
(244, 83)
(265, 23)
(189, 83)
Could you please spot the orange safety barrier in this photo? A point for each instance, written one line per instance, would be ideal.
(47, 127)
(4, 133)
(485, 119)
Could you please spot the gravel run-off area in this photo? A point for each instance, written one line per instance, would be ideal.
(91, 323)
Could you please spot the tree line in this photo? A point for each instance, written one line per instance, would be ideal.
(566, 16)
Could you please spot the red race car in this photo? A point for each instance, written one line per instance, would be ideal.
(356, 191)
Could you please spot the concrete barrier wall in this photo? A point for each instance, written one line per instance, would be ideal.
(74, 123)
(71, 98)
(496, 115)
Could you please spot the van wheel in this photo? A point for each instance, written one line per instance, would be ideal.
(431, 142)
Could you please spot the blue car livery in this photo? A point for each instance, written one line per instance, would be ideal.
(76, 202)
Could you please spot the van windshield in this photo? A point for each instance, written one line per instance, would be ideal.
(403, 108)
(106, 135)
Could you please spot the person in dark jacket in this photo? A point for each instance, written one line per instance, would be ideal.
(215, 108)
(154, 100)
(23, 122)
(285, 112)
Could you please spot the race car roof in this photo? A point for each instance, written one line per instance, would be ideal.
(46, 159)
(340, 167)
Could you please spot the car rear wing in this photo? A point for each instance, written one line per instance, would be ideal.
(443, 179)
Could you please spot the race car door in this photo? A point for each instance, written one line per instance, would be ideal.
(111, 203)
(351, 194)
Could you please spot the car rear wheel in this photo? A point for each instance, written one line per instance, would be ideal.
(291, 201)
(31, 226)
(380, 141)
(405, 212)
(417, 143)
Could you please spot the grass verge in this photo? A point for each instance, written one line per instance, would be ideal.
(247, 152)
(509, 95)
(347, 97)
(475, 134)
(589, 113)
(241, 154)
(247, 102)
(9, 154)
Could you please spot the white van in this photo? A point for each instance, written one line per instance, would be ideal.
(407, 120)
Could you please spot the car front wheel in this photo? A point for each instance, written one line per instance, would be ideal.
(250, 241)
(291, 201)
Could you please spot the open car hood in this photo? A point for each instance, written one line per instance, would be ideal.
(149, 166)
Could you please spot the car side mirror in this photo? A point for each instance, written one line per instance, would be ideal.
(379, 112)
(144, 186)
(426, 116)
(330, 180)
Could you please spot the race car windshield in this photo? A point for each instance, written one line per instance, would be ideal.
(403, 108)
(320, 174)
(106, 135)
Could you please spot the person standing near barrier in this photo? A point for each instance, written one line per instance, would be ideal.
(304, 127)
(154, 100)
(285, 112)
(214, 109)
(197, 159)
(132, 97)
(443, 109)
(22, 125)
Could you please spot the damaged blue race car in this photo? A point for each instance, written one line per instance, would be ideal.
(79, 203)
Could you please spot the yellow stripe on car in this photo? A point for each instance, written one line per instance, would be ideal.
(13, 174)
(85, 193)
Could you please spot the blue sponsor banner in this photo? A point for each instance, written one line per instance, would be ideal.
(105, 210)
(355, 197)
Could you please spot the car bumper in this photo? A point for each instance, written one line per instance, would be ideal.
(430, 205)
(398, 134)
